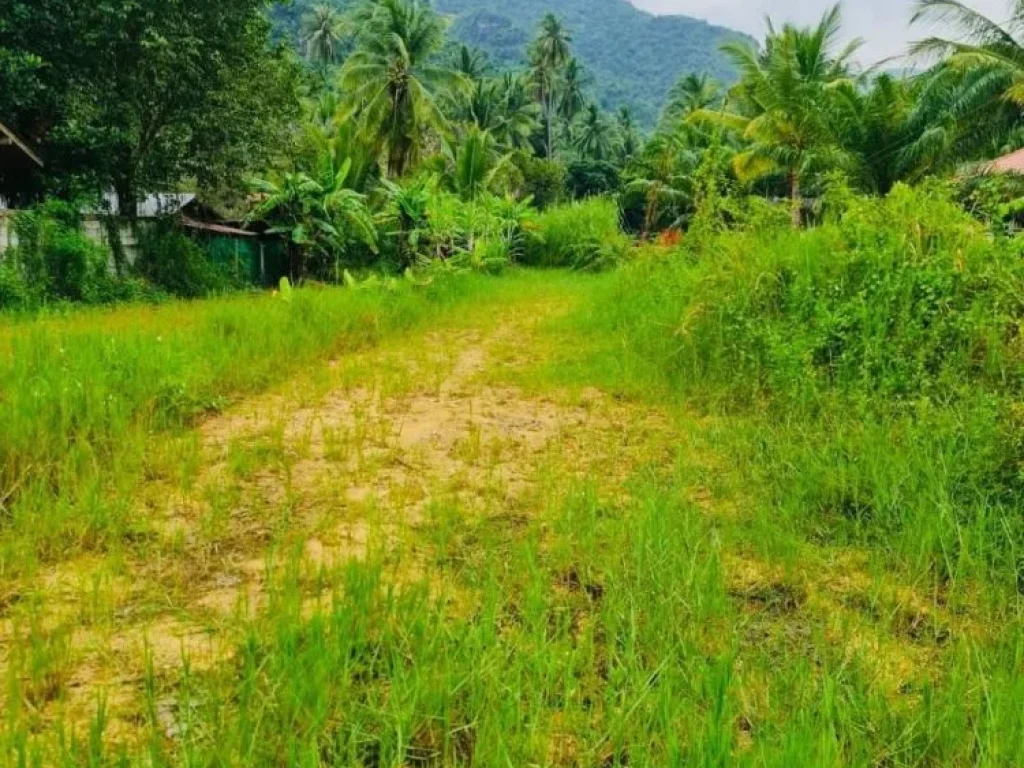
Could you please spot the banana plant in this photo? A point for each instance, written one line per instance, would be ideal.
(320, 218)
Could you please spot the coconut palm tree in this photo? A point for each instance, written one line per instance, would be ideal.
(503, 107)
(474, 165)
(392, 81)
(628, 139)
(691, 93)
(519, 114)
(549, 55)
(573, 98)
(663, 174)
(974, 99)
(471, 62)
(782, 105)
(595, 135)
(323, 35)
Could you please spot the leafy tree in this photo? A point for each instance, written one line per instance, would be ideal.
(588, 178)
(142, 95)
(544, 180)
(392, 81)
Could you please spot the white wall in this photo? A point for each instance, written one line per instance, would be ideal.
(92, 227)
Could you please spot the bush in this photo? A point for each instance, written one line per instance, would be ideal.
(588, 178)
(580, 235)
(543, 180)
(424, 224)
(54, 260)
(176, 264)
(879, 358)
(14, 293)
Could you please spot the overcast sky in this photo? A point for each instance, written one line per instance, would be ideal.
(882, 23)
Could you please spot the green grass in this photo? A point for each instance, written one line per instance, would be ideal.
(83, 394)
(753, 505)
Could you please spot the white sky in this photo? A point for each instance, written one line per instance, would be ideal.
(884, 24)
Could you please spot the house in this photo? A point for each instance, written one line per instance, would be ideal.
(19, 169)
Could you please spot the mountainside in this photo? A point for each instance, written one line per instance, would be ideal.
(634, 57)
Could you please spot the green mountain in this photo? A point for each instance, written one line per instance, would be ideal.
(633, 56)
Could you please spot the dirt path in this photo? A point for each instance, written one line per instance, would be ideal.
(366, 454)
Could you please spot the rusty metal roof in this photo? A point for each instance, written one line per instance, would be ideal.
(219, 229)
(1011, 163)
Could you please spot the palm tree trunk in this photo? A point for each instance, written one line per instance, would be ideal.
(796, 202)
(651, 214)
(547, 118)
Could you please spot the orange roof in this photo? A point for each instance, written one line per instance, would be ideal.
(1011, 163)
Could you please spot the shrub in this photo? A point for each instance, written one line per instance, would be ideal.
(54, 260)
(543, 180)
(423, 224)
(14, 293)
(588, 178)
(879, 358)
(580, 235)
(175, 263)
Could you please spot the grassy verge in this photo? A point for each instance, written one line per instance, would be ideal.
(80, 395)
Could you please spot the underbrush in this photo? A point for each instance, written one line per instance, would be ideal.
(879, 357)
(581, 235)
(56, 263)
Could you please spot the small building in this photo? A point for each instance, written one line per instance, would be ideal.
(251, 255)
(19, 170)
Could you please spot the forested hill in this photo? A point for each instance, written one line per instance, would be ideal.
(634, 57)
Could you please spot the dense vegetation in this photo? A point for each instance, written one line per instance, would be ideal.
(635, 57)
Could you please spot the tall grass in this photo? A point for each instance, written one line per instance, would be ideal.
(881, 358)
(80, 395)
(581, 235)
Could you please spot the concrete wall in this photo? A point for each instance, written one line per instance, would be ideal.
(93, 227)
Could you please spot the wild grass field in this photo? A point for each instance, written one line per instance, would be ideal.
(752, 502)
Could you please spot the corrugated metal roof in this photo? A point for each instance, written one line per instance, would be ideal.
(1011, 163)
(218, 229)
